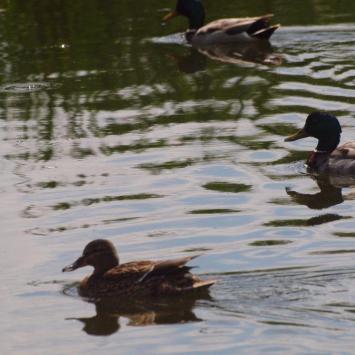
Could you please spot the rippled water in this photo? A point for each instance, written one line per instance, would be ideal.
(112, 128)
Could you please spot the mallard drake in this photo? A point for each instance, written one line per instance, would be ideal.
(137, 278)
(220, 31)
(327, 157)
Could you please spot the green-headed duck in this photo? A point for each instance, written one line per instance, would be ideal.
(221, 31)
(328, 157)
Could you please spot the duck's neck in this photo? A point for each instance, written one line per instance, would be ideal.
(317, 159)
(328, 144)
(195, 12)
(105, 263)
(189, 34)
(196, 21)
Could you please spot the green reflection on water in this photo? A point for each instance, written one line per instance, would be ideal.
(345, 234)
(222, 186)
(314, 221)
(261, 243)
(214, 211)
(91, 201)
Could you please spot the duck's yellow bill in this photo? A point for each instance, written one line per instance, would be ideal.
(298, 135)
(170, 16)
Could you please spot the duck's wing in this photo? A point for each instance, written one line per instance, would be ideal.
(342, 160)
(178, 268)
(165, 267)
(345, 151)
(165, 277)
(258, 27)
(140, 270)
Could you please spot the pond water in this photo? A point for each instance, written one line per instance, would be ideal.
(112, 128)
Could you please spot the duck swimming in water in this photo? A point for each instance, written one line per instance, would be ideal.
(327, 157)
(220, 31)
(137, 278)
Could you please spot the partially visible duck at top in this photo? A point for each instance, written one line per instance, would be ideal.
(221, 31)
(328, 157)
(134, 279)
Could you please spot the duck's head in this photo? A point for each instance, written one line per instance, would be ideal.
(100, 253)
(323, 126)
(192, 9)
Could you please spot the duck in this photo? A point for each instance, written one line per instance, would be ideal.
(136, 278)
(228, 30)
(328, 157)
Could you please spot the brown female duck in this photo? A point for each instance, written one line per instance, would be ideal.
(138, 278)
(327, 157)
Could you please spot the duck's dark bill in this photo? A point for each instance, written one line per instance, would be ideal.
(299, 135)
(78, 263)
(170, 15)
(68, 268)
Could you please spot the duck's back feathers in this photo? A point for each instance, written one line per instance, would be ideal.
(257, 24)
(341, 166)
(345, 151)
(235, 30)
(342, 160)
(145, 278)
(172, 265)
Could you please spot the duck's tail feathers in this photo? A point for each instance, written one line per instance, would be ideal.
(265, 33)
(268, 16)
(200, 285)
(169, 267)
(259, 23)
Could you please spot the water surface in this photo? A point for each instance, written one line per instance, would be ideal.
(112, 128)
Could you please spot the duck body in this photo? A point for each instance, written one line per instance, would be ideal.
(339, 162)
(232, 30)
(137, 278)
(222, 31)
(328, 157)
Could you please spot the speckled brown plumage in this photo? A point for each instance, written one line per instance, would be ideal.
(138, 278)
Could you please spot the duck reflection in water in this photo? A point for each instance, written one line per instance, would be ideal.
(328, 196)
(189, 63)
(236, 53)
(140, 313)
(330, 193)
(241, 53)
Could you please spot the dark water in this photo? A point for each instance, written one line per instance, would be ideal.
(111, 128)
